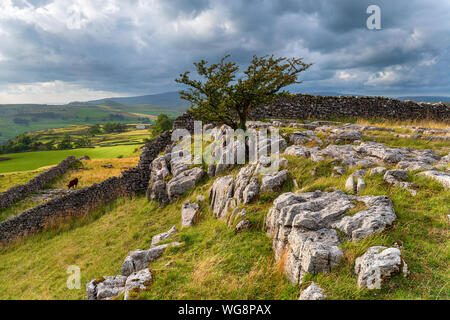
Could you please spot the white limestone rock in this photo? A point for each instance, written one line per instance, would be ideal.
(441, 176)
(137, 281)
(163, 236)
(189, 214)
(313, 292)
(375, 267)
(140, 259)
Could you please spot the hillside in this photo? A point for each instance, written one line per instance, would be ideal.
(170, 100)
(17, 119)
(217, 262)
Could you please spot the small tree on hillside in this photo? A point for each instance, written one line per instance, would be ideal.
(162, 124)
(220, 98)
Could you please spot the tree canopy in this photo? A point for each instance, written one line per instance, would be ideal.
(162, 124)
(220, 97)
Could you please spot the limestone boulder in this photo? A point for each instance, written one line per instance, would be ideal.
(189, 214)
(313, 292)
(375, 267)
(140, 259)
(183, 182)
(105, 288)
(137, 281)
(440, 176)
(163, 236)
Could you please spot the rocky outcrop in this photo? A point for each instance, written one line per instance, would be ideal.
(183, 182)
(440, 176)
(303, 228)
(301, 137)
(313, 292)
(397, 178)
(189, 214)
(227, 192)
(163, 236)
(355, 182)
(139, 259)
(107, 288)
(241, 226)
(378, 265)
(137, 281)
(370, 154)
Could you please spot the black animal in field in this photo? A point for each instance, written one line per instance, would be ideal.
(73, 183)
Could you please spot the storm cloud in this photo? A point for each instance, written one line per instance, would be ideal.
(57, 51)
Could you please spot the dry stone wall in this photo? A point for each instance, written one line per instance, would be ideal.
(82, 201)
(325, 107)
(14, 194)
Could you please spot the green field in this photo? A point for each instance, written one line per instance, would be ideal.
(18, 119)
(33, 160)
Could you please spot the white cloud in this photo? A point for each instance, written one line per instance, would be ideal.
(56, 92)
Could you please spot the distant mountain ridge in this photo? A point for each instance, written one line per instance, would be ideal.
(172, 100)
(169, 100)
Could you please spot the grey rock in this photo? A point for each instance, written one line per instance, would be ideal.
(360, 185)
(302, 227)
(241, 226)
(163, 236)
(273, 182)
(183, 182)
(378, 265)
(395, 177)
(108, 288)
(440, 176)
(313, 292)
(350, 184)
(377, 170)
(220, 195)
(251, 191)
(137, 281)
(377, 217)
(189, 214)
(140, 259)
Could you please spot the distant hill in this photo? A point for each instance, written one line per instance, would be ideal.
(170, 100)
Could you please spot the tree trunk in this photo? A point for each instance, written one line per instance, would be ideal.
(242, 120)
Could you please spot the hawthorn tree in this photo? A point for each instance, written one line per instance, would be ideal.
(221, 98)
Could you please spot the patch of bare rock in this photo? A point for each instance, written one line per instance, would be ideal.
(227, 192)
(313, 292)
(440, 176)
(378, 265)
(303, 227)
(135, 273)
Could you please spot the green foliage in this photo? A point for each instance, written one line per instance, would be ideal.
(94, 129)
(82, 142)
(221, 98)
(66, 142)
(162, 124)
(114, 127)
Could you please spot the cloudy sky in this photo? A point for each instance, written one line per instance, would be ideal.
(56, 51)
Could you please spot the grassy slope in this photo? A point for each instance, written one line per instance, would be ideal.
(37, 159)
(67, 115)
(216, 264)
(88, 173)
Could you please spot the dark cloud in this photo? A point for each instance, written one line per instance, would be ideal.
(140, 46)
